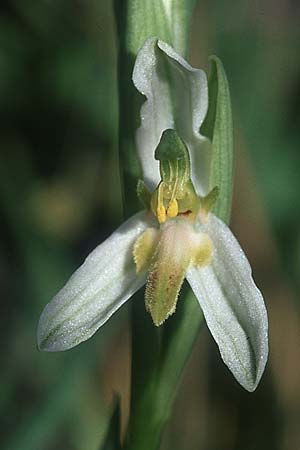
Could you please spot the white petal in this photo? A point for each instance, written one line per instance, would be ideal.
(233, 306)
(95, 291)
(177, 98)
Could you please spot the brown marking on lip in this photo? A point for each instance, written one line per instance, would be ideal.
(185, 213)
(173, 277)
(153, 277)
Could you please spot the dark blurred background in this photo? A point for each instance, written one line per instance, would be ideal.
(60, 196)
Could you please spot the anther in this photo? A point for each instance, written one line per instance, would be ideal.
(172, 210)
(161, 210)
(161, 213)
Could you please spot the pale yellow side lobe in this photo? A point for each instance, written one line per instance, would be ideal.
(203, 251)
(144, 249)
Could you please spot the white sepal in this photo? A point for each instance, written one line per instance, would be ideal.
(177, 98)
(95, 291)
(233, 306)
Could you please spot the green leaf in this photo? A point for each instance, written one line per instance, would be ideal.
(217, 126)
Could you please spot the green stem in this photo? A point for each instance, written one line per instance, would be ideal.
(158, 355)
(154, 390)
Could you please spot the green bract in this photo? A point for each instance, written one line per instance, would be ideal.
(217, 127)
(177, 236)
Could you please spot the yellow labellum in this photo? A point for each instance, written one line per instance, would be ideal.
(166, 273)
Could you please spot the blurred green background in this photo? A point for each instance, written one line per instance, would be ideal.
(60, 196)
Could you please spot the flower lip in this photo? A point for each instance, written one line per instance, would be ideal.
(175, 246)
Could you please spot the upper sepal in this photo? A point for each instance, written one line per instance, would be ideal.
(176, 98)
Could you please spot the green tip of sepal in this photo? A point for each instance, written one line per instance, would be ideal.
(143, 193)
(209, 201)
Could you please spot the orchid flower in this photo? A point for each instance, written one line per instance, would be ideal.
(175, 237)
